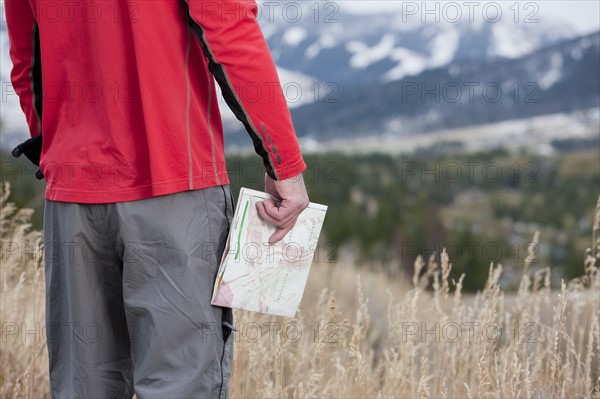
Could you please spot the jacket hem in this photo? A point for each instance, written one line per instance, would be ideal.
(132, 193)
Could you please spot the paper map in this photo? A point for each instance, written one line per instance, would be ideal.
(256, 276)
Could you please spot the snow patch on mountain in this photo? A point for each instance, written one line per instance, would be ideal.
(442, 51)
(511, 42)
(363, 55)
(577, 52)
(325, 41)
(443, 47)
(294, 36)
(409, 63)
(554, 72)
(298, 88)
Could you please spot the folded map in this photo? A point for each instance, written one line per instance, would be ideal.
(256, 276)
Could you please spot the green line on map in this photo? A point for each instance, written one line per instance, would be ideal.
(237, 252)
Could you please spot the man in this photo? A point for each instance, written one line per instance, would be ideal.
(138, 204)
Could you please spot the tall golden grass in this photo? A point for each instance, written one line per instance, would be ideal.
(361, 334)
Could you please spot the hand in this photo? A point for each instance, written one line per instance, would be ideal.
(294, 200)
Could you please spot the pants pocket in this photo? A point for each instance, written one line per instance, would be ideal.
(227, 324)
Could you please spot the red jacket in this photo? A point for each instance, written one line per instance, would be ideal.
(123, 92)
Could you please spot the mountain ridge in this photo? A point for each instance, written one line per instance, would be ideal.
(557, 78)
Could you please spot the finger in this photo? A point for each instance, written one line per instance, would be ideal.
(279, 235)
(281, 218)
(272, 209)
(283, 213)
(282, 231)
(260, 207)
(268, 211)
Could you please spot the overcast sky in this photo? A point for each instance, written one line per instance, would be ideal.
(584, 16)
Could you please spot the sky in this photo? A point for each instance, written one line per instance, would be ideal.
(583, 16)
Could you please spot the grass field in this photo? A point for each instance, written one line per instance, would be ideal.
(361, 333)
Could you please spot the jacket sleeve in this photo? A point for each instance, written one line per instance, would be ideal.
(26, 74)
(240, 60)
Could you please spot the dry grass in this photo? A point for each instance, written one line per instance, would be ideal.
(23, 356)
(364, 336)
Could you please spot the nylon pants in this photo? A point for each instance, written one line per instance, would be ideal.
(128, 289)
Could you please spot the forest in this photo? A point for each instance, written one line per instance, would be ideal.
(384, 211)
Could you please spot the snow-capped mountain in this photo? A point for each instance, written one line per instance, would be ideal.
(358, 48)
(562, 77)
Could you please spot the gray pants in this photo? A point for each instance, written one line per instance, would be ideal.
(128, 289)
